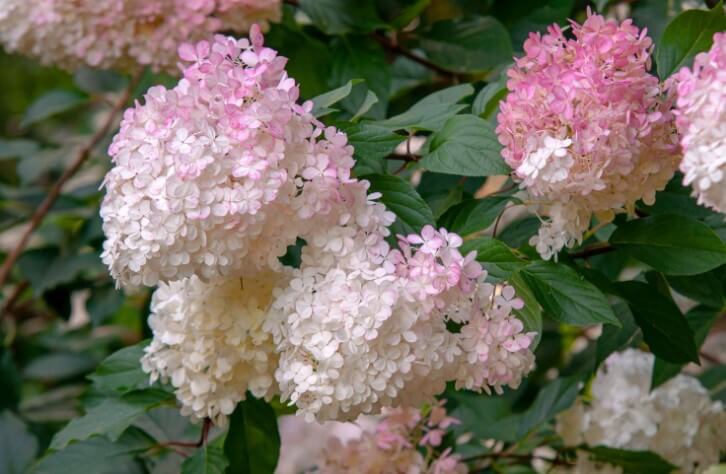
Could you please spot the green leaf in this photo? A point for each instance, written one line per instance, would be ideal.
(121, 371)
(11, 381)
(495, 256)
(688, 34)
(700, 320)
(370, 100)
(486, 416)
(557, 396)
(665, 330)
(98, 455)
(466, 146)
(526, 16)
(58, 366)
(714, 379)
(370, 140)
(322, 103)
(613, 338)
(17, 446)
(631, 462)
(472, 45)
(357, 57)
(50, 104)
(253, 442)
(110, 418)
(46, 269)
(431, 112)
(707, 288)
(103, 303)
(336, 17)
(531, 313)
(487, 100)
(208, 459)
(567, 296)
(400, 12)
(473, 215)
(672, 244)
(412, 212)
(17, 148)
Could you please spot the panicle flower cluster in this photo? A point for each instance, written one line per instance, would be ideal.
(585, 127)
(701, 121)
(361, 327)
(120, 34)
(392, 446)
(209, 342)
(677, 420)
(220, 173)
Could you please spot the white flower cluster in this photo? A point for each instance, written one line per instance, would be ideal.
(220, 174)
(209, 343)
(121, 34)
(360, 327)
(677, 420)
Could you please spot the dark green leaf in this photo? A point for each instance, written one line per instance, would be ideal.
(335, 17)
(526, 16)
(357, 57)
(309, 60)
(412, 212)
(672, 244)
(98, 455)
(121, 371)
(253, 442)
(700, 320)
(103, 303)
(17, 446)
(51, 104)
(17, 148)
(46, 269)
(688, 34)
(472, 45)
(10, 378)
(557, 396)
(714, 379)
(473, 215)
(566, 296)
(209, 459)
(466, 146)
(614, 338)
(400, 12)
(110, 418)
(520, 231)
(707, 288)
(665, 330)
(631, 462)
(431, 112)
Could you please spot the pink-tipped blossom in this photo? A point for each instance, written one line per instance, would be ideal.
(219, 175)
(701, 121)
(586, 128)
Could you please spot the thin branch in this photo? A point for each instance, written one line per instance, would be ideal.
(55, 191)
(398, 49)
(192, 444)
(14, 297)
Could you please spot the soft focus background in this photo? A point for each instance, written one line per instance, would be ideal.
(61, 314)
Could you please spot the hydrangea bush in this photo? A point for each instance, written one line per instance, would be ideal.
(435, 237)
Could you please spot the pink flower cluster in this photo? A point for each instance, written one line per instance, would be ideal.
(701, 120)
(585, 127)
(392, 446)
(121, 34)
(220, 174)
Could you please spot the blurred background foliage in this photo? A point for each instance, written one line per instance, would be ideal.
(62, 315)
